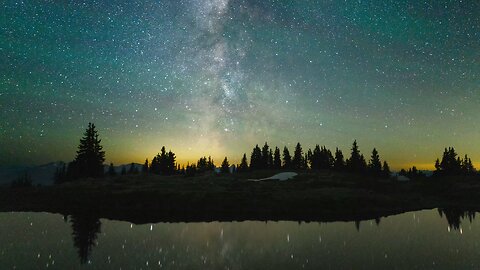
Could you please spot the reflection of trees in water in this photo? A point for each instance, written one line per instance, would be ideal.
(358, 223)
(84, 231)
(455, 216)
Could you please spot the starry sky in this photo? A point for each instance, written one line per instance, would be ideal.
(216, 77)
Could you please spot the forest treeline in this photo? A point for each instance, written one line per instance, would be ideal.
(90, 158)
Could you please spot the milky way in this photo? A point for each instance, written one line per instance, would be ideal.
(219, 76)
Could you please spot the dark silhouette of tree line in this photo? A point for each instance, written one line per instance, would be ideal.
(320, 158)
(450, 165)
(89, 159)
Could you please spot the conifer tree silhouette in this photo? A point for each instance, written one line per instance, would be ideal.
(339, 164)
(287, 159)
(386, 170)
(375, 165)
(90, 156)
(256, 159)
(164, 163)
(243, 167)
(265, 156)
(210, 164)
(356, 162)
(277, 160)
(202, 165)
(225, 168)
(298, 160)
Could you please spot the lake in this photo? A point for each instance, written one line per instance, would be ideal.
(429, 239)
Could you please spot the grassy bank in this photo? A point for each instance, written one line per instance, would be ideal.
(311, 196)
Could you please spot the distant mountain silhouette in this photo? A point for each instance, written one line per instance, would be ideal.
(41, 174)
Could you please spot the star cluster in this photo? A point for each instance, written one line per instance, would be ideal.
(215, 77)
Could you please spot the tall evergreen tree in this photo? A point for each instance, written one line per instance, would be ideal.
(386, 170)
(287, 159)
(467, 166)
(356, 162)
(277, 160)
(298, 160)
(375, 165)
(210, 164)
(339, 164)
(265, 156)
(450, 163)
(90, 155)
(202, 165)
(243, 167)
(171, 165)
(225, 168)
(256, 159)
(164, 163)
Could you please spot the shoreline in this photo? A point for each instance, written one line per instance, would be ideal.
(310, 197)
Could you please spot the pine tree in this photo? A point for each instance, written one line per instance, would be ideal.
(243, 167)
(225, 168)
(386, 170)
(90, 155)
(314, 157)
(356, 162)
(467, 166)
(375, 165)
(210, 164)
(277, 160)
(287, 159)
(265, 156)
(202, 165)
(450, 163)
(297, 161)
(164, 163)
(171, 165)
(339, 164)
(256, 159)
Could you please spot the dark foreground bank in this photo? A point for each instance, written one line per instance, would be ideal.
(320, 196)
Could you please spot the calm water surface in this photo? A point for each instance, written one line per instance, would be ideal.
(415, 240)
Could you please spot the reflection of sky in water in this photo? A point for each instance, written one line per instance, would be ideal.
(420, 240)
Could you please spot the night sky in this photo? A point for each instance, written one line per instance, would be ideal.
(216, 77)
